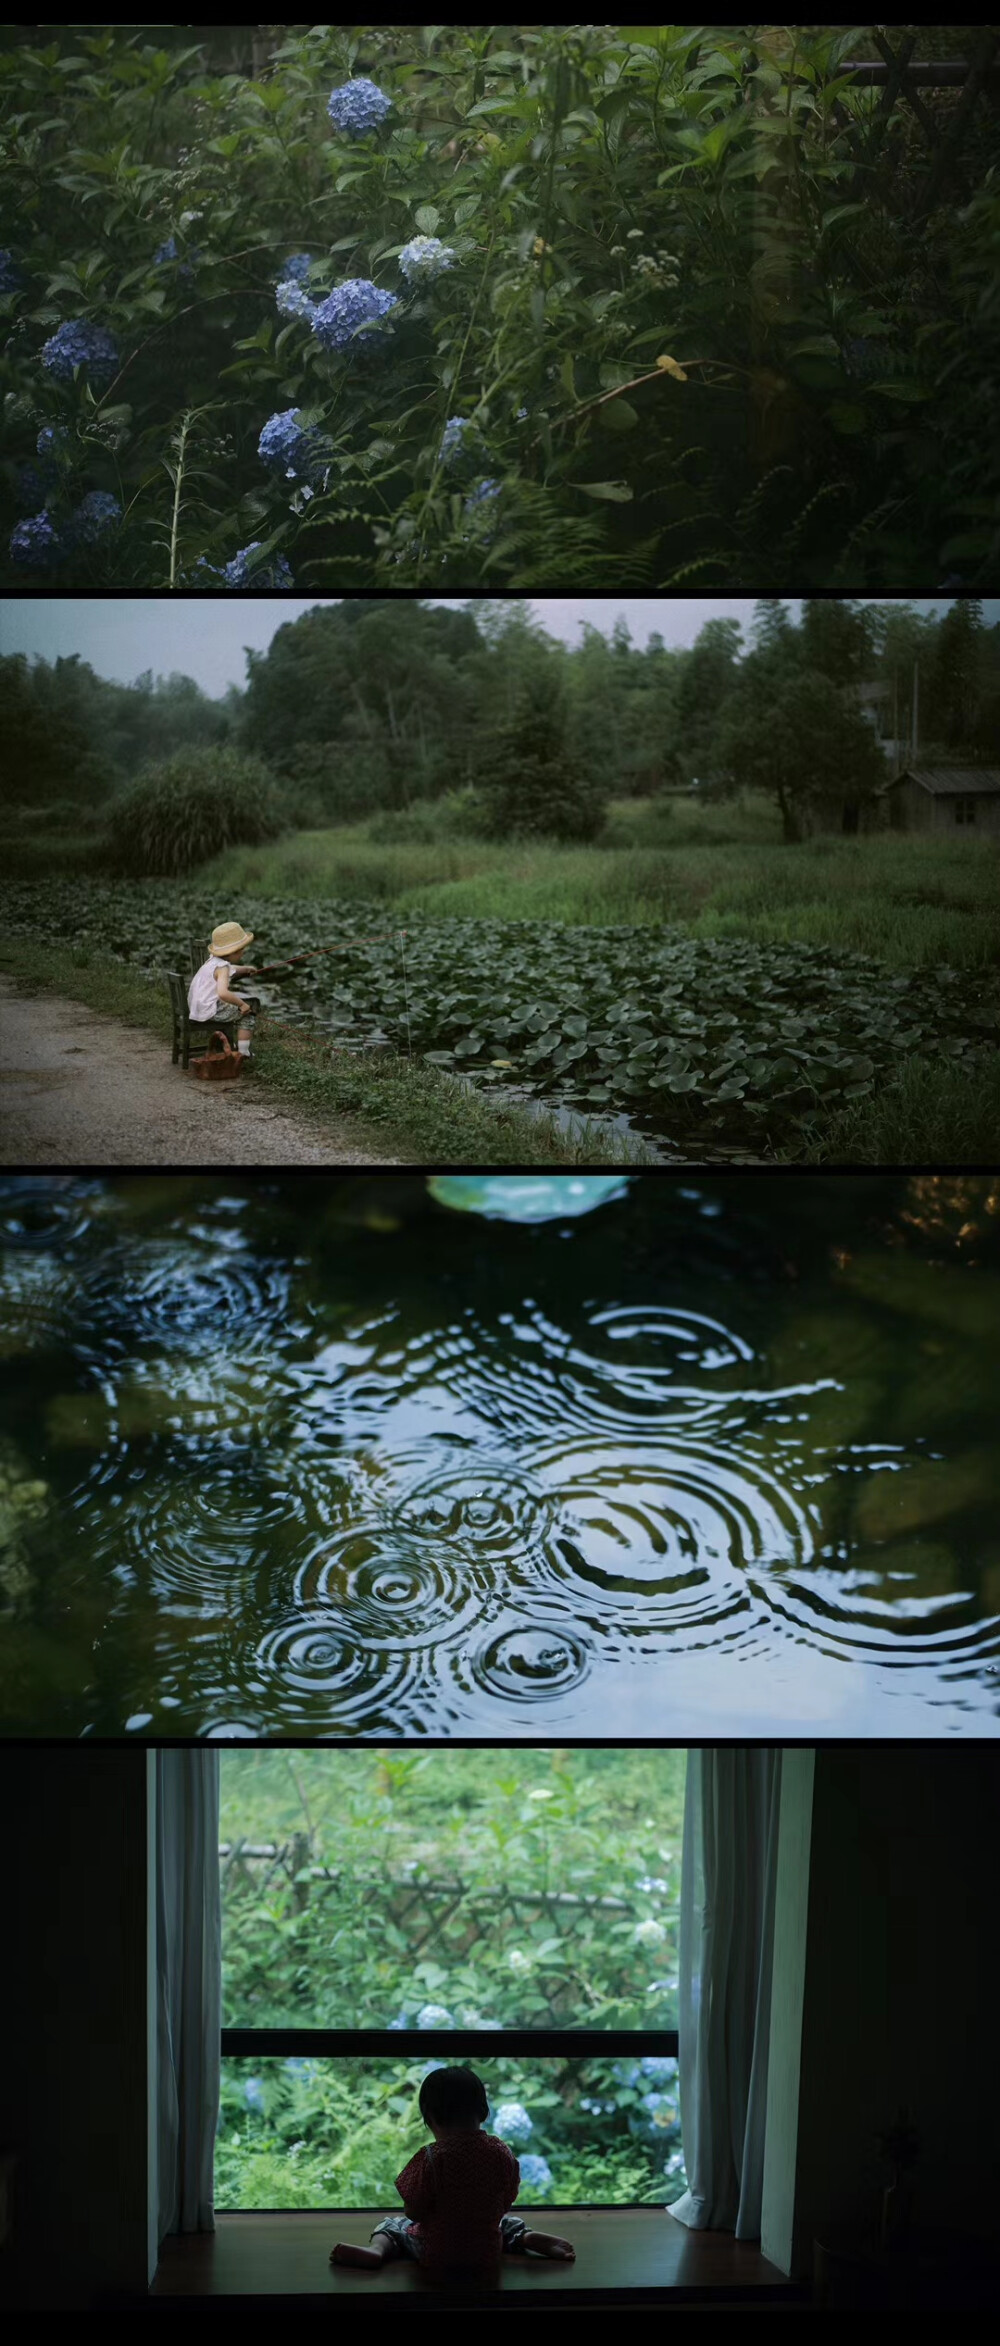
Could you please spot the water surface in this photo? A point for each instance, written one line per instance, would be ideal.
(317, 1457)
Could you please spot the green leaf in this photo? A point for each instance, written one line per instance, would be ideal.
(428, 219)
(611, 492)
(618, 416)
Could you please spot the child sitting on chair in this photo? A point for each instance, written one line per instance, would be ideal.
(456, 2194)
(211, 999)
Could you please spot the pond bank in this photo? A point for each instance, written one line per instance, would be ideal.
(79, 1089)
(355, 1108)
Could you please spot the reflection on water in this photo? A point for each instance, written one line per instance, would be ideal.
(319, 1456)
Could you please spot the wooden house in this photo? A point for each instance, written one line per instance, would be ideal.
(943, 798)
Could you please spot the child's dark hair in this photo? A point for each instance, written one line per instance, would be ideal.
(451, 2097)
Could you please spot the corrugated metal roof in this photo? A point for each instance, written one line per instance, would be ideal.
(949, 781)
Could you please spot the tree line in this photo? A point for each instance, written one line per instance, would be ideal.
(381, 707)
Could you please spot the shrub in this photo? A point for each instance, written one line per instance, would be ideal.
(177, 815)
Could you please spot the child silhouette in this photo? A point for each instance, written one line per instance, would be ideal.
(457, 2194)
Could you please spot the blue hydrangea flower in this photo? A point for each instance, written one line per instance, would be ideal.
(535, 2172)
(512, 2123)
(284, 445)
(293, 301)
(425, 257)
(452, 438)
(660, 2067)
(357, 107)
(351, 305)
(166, 252)
(79, 344)
(35, 544)
(33, 487)
(53, 441)
(434, 2016)
(254, 2093)
(297, 268)
(242, 571)
(96, 513)
(482, 494)
(11, 277)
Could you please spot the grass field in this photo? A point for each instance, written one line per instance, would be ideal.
(712, 871)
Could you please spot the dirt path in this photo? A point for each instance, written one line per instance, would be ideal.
(77, 1088)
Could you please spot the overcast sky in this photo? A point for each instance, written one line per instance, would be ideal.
(205, 636)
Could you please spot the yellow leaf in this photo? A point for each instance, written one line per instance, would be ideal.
(501, 1063)
(670, 367)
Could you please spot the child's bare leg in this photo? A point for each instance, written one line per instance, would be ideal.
(349, 2252)
(547, 2244)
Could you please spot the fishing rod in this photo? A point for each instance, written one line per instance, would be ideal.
(273, 968)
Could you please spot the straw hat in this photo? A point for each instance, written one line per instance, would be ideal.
(229, 936)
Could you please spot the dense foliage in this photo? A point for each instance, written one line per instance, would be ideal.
(455, 306)
(443, 1891)
(383, 707)
(177, 815)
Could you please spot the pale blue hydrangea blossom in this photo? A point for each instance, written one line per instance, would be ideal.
(11, 277)
(354, 304)
(285, 446)
(434, 2016)
(482, 494)
(297, 268)
(358, 106)
(242, 571)
(293, 301)
(512, 2123)
(425, 257)
(79, 344)
(53, 441)
(535, 2172)
(35, 544)
(453, 437)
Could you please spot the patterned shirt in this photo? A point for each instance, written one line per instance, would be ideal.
(457, 2190)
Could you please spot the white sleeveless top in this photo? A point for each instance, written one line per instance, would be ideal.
(203, 994)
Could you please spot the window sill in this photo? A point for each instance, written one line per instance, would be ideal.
(640, 2252)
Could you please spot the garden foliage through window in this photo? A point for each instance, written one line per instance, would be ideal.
(384, 1911)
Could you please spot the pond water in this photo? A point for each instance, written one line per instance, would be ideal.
(319, 1456)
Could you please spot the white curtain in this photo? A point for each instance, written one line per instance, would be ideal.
(189, 1972)
(726, 1943)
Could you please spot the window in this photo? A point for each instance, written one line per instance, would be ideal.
(965, 810)
(387, 1910)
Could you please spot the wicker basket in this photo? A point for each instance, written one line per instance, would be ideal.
(222, 1066)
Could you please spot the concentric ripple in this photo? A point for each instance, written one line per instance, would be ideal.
(349, 1489)
(396, 1597)
(174, 1292)
(309, 1671)
(528, 1662)
(663, 1536)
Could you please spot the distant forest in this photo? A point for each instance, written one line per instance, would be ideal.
(365, 707)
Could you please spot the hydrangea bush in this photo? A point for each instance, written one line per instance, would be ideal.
(680, 349)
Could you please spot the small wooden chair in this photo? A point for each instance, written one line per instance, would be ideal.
(190, 1034)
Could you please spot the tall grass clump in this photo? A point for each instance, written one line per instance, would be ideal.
(177, 815)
